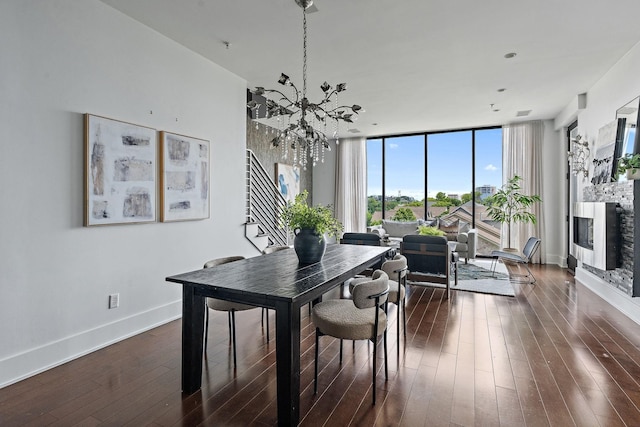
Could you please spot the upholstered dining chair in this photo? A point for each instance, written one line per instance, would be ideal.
(228, 306)
(529, 250)
(272, 249)
(362, 318)
(265, 311)
(366, 239)
(396, 269)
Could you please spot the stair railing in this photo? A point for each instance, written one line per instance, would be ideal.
(264, 202)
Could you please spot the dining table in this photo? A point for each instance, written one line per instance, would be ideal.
(275, 281)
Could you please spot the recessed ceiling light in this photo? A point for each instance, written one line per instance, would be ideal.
(502, 89)
(510, 55)
(374, 124)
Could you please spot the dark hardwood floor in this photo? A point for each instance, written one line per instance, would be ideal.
(556, 354)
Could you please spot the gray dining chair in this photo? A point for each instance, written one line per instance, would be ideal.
(222, 305)
(265, 311)
(362, 318)
(396, 268)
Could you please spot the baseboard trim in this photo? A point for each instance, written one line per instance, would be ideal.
(627, 305)
(26, 364)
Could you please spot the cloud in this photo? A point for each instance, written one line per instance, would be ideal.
(393, 146)
(490, 167)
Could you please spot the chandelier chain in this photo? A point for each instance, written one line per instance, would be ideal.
(304, 54)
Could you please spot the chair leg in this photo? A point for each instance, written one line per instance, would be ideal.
(530, 274)
(375, 356)
(266, 311)
(398, 321)
(340, 351)
(315, 375)
(206, 327)
(404, 318)
(386, 369)
(233, 323)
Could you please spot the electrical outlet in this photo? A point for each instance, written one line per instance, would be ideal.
(114, 301)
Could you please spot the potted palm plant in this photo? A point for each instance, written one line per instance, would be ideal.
(509, 205)
(309, 224)
(630, 163)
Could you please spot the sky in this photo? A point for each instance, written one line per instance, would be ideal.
(449, 163)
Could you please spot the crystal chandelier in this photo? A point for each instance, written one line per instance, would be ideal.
(302, 124)
(578, 156)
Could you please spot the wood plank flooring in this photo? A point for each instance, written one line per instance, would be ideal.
(555, 355)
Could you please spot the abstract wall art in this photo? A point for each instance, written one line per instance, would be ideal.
(184, 177)
(608, 143)
(120, 172)
(288, 181)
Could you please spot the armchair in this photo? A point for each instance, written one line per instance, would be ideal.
(466, 244)
(430, 259)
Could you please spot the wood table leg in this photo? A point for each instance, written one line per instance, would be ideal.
(192, 330)
(288, 363)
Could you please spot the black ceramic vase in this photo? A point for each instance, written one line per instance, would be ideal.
(309, 246)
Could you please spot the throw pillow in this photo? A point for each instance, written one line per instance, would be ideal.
(450, 228)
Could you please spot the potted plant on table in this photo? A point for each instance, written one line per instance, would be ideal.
(509, 205)
(630, 163)
(309, 224)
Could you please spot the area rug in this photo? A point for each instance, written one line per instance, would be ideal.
(476, 276)
(473, 271)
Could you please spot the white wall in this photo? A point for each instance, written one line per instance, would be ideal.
(615, 89)
(59, 60)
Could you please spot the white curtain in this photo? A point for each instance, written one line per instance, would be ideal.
(351, 184)
(522, 156)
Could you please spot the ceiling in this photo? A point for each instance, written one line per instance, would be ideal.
(413, 65)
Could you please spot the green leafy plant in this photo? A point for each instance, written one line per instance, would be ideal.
(425, 230)
(319, 218)
(629, 162)
(404, 214)
(509, 205)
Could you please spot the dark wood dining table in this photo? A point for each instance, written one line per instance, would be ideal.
(276, 281)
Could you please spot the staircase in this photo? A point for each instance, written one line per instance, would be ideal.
(264, 202)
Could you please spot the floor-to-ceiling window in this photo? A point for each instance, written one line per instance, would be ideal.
(449, 173)
(374, 181)
(488, 179)
(404, 177)
(446, 175)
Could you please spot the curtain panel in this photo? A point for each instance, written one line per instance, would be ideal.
(351, 184)
(522, 156)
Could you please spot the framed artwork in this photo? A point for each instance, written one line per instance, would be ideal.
(184, 177)
(288, 181)
(120, 172)
(608, 143)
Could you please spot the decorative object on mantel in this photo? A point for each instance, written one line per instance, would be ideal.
(508, 205)
(579, 154)
(630, 164)
(309, 224)
(306, 122)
